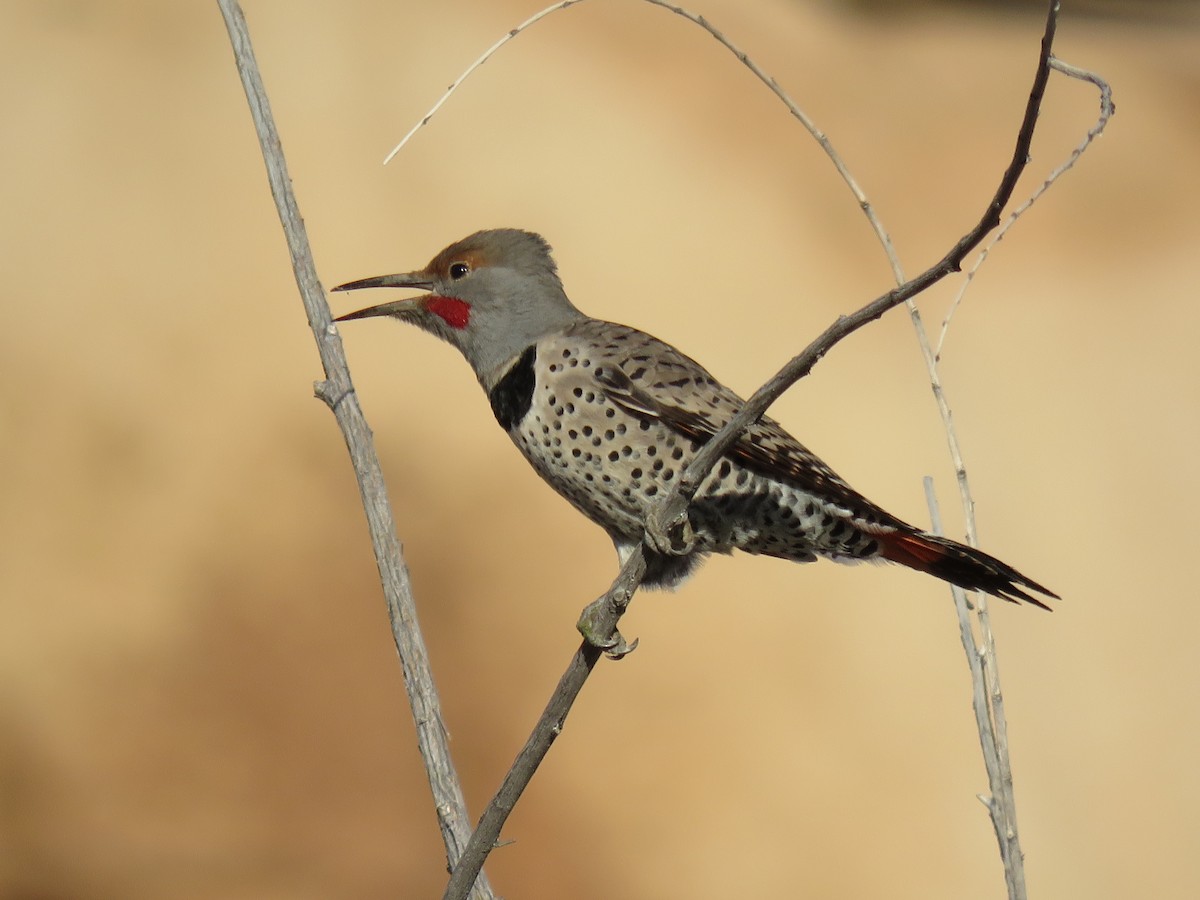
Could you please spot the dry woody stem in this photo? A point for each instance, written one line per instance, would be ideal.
(336, 390)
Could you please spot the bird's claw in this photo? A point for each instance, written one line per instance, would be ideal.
(670, 533)
(620, 649)
(591, 626)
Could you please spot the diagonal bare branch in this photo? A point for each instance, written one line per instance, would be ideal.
(609, 609)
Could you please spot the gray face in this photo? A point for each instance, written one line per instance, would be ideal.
(491, 295)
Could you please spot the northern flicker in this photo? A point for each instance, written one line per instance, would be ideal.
(609, 416)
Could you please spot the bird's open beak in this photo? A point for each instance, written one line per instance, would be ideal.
(416, 280)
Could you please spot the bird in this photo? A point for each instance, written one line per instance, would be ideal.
(610, 416)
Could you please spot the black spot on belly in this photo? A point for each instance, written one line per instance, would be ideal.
(513, 394)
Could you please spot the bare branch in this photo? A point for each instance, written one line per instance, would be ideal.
(484, 57)
(338, 392)
(609, 608)
(803, 118)
(984, 679)
(1107, 110)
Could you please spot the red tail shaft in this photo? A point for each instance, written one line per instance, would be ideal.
(959, 564)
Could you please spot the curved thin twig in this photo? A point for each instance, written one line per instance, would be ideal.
(800, 115)
(1107, 109)
(484, 57)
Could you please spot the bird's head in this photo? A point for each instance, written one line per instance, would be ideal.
(491, 295)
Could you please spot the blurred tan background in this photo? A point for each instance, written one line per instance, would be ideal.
(199, 696)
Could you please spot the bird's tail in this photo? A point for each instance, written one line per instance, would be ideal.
(959, 564)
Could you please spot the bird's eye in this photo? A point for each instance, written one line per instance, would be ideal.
(459, 270)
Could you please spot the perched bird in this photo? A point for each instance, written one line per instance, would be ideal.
(609, 416)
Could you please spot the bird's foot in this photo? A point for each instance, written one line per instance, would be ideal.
(669, 531)
(593, 626)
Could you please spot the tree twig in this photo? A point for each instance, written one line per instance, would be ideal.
(987, 697)
(549, 726)
(484, 57)
(338, 392)
(1000, 805)
(1107, 110)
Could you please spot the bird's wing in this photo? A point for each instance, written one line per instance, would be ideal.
(655, 381)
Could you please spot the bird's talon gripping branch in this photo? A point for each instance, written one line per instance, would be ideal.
(670, 533)
(622, 649)
(591, 625)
